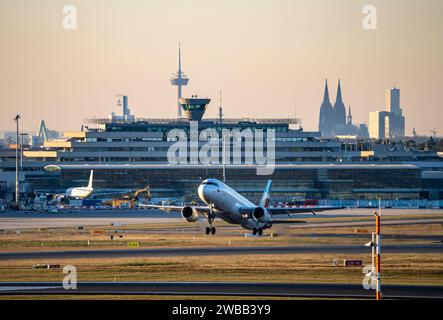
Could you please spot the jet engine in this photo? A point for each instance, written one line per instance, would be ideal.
(261, 215)
(190, 214)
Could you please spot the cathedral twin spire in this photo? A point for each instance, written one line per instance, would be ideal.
(326, 94)
(331, 116)
(339, 108)
(326, 121)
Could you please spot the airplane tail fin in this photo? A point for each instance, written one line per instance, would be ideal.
(266, 197)
(90, 179)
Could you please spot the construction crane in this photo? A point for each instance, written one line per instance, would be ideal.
(146, 191)
(434, 132)
(129, 199)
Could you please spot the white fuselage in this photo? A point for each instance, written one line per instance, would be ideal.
(227, 203)
(79, 193)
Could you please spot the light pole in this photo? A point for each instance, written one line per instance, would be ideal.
(21, 149)
(375, 244)
(378, 249)
(224, 158)
(17, 194)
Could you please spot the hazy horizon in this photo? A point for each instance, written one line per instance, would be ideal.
(266, 56)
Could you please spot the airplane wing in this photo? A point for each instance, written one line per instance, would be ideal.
(289, 210)
(203, 209)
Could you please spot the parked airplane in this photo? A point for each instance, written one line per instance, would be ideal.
(81, 192)
(227, 204)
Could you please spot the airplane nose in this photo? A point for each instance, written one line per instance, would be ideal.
(203, 193)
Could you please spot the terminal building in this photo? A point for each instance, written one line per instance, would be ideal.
(133, 154)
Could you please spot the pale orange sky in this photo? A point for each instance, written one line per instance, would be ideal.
(266, 57)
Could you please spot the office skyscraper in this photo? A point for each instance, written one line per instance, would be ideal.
(389, 123)
(378, 124)
(395, 123)
(393, 101)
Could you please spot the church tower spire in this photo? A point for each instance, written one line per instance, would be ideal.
(326, 117)
(349, 116)
(339, 107)
(326, 94)
(339, 97)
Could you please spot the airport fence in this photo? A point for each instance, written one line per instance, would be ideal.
(399, 204)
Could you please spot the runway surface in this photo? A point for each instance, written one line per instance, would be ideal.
(29, 220)
(209, 251)
(21, 220)
(222, 288)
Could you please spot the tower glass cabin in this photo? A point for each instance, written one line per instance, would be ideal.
(194, 108)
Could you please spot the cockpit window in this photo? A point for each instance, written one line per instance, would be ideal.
(210, 183)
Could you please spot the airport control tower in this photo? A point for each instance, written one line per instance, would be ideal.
(194, 107)
(179, 79)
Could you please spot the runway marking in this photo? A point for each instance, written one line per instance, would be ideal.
(24, 288)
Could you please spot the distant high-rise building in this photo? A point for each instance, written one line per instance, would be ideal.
(378, 124)
(326, 124)
(339, 108)
(121, 102)
(395, 125)
(393, 101)
(389, 123)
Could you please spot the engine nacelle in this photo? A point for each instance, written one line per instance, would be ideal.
(261, 215)
(190, 214)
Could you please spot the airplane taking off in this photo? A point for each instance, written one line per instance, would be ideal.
(227, 204)
(81, 192)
